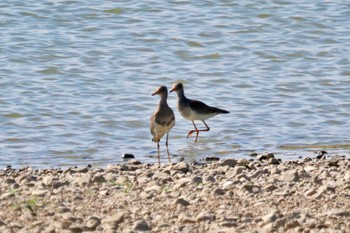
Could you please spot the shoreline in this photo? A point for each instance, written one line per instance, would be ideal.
(267, 195)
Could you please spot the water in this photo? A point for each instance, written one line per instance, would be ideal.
(76, 78)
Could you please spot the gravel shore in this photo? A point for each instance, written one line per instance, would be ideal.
(229, 195)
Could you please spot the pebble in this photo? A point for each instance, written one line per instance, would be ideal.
(181, 166)
(205, 216)
(181, 201)
(228, 162)
(227, 196)
(141, 225)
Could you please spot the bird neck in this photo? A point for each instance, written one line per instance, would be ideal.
(163, 100)
(181, 94)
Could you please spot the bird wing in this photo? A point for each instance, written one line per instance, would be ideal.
(202, 108)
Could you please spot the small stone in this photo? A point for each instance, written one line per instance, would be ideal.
(134, 162)
(290, 176)
(75, 229)
(39, 193)
(98, 178)
(270, 218)
(253, 154)
(291, 224)
(219, 192)
(181, 166)
(184, 218)
(115, 220)
(211, 159)
(310, 192)
(128, 156)
(9, 181)
(6, 195)
(182, 182)
(339, 212)
(197, 180)
(141, 225)
(205, 216)
(270, 188)
(181, 201)
(93, 222)
(208, 179)
(251, 188)
(274, 161)
(227, 185)
(265, 156)
(321, 154)
(228, 162)
(82, 180)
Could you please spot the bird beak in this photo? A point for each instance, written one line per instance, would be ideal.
(173, 89)
(155, 93)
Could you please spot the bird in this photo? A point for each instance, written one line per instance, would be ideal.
(162, 120)
(194, 110)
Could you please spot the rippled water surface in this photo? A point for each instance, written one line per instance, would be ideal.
(76, 78)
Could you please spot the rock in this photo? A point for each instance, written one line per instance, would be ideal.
(291, 224)
(182, 182)
(339, 212)
(270, 218)
(75, 229)
(39, 193)
(274, 161)
(197, 180)
(265, 156)
(128, 156)
(219, 192)
(310, 192)
(92, 222)
(228, 162)
(141, 225)
(181, 201)
(270, 188)
(227, 185)
(9, 181)
(164, 177)
(185, 219)
(47, 180)
(251, 188)
(82, 180)
(6, 196)
(211, 159)
(205, 216)
(115, 220)
(321, 154)
(134, 162)
(181, 166)
(208, 179)
(290, 176)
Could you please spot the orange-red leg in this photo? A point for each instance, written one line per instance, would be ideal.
(197, 130)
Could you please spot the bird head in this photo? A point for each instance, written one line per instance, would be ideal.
(160, 91)
(177, 87)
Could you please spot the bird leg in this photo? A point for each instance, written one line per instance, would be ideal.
(158, 153)
(167, 149)
(197, 130)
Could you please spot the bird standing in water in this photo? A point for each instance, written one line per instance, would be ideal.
(162, 120)
(194, 110)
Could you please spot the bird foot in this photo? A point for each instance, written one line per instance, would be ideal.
(189, 134)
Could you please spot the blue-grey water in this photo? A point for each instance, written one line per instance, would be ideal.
(76, 78)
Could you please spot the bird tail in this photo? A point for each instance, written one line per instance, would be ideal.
(218, 110)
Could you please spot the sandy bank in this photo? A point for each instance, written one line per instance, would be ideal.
(226, 196)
